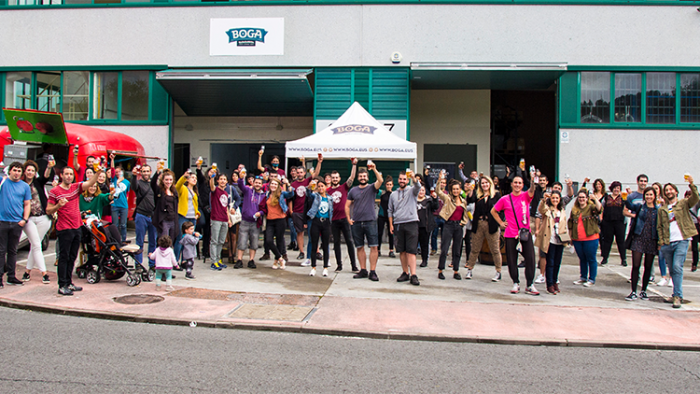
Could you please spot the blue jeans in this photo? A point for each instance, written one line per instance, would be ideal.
(177, 246)
(554, 255)
(119, 218)
(308, 244)
(292, 230)
(675, 254)
(662, 265)
(440, 223)
(586, 251)
(144, 226)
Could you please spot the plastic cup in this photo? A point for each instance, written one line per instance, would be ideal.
(686, 176)
(111, 187)
(214, 166)
(624, 195)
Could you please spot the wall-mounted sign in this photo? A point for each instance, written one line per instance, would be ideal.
(246, 36)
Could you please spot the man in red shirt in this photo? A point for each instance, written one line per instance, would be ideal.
(298, 215)
(339, 222)
(64, 199)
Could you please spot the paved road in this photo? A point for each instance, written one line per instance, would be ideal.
(52, 353)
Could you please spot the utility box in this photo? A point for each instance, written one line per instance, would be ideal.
(20, 153)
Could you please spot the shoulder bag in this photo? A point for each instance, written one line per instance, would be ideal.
(523, 233)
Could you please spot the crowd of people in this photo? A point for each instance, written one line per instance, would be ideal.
(203, 211)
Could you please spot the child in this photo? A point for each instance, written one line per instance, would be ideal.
(164, 257)
(189, 241)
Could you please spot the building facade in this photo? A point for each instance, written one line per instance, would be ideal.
(586, 88)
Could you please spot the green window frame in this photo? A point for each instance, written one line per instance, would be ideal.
(633, 106)
(59, 97)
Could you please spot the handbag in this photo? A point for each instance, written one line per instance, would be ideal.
(236, 217)
(564, 238)
(523, 233)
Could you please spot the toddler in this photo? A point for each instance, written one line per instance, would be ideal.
(189, 241)
(164, 257)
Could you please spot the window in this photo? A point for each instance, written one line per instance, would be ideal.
(690, 98)
(628, 97)
(18, 90)
(661, 98)
(76, 99)
(105, 100)
(595, 97)
(135, 95)
(48, 91)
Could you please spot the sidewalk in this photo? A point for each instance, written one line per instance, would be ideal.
(476, 310)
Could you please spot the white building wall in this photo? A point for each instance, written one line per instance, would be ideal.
(153, 138)
(359, 35)
(452, 117)
(621, 155)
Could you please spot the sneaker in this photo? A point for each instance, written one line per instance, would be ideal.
(238, 265)
(457, 276)
(603, 262)
(496, 278)
(588, 284)
(301, 256)
(373, 276)
(158, 287)
(391, 254)
(652, 279)
(623, 263)
(643, 296)
(74, 287)
(65, 291)
(414, 280)
(532, 290)
(433, 252)
(274, 265)
(404, 277)
(189, 276)
(580, 282)
(265, 257)
(468, 275)
(361, 274)
(379, 253)
(441, 276)
(522, 264)
(424, 264)
(670, 283)
(282, 263)
(25, 277)
(313, 272)
(662, 282)
(325, 272)
(306, 263)
(14, 281)
(676, 302)
(540, 279)
(221, 264)
(45, 279)
(169, 288)
(339, 267)
(631, 297)
(251, 264)
(515, 289)
(354, 268)
(550, 290)
(215, 267)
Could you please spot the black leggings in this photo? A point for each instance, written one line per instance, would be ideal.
(468, 242)
(451, 234)
(381, 223)
(338, 226)
(320, 229)
(275, 229)
(512, 259)
(636, 264)
(613, 229)
(423, 240)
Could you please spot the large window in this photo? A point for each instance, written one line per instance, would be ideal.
(88, 96)
(595, 97)
(628, 97)
(661, 98)
(690, 98)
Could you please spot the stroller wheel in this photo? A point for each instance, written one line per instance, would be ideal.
(81, 272)
(151, 274)
(92, 277)
(133, 280)
(145, 276)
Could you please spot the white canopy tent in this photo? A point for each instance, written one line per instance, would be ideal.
(355, 134)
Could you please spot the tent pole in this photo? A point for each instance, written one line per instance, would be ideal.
(286, 165)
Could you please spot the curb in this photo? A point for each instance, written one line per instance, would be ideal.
(301, 329)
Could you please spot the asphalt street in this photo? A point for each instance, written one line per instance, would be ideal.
(53, 353)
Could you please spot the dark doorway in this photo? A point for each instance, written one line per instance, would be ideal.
(229, 156)
(451, 153)
(181, 158)
(523, 125)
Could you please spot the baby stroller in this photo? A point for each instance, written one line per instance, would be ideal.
(102, 256)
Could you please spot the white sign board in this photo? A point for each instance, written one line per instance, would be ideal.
(246, 36)
(397, 127)
(564, 137)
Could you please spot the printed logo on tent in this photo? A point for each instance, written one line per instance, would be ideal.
(354, 128)
(246, 36)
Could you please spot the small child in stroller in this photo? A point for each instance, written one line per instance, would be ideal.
(189, 241)
(164, 257)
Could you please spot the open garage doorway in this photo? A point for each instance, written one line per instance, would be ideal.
(523, 125)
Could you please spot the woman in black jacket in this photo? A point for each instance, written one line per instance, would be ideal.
(485, 226)
(427, 205)
(613, 224)
(166, 200)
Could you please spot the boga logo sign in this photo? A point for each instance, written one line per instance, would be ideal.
(354, 128)
(246, 36)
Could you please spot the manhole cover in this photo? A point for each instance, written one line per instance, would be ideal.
(137, 299)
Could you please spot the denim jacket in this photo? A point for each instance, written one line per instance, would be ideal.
(283, 199)
(645, 213)
(317, 202)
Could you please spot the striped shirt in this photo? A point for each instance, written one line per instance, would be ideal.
(69, 214)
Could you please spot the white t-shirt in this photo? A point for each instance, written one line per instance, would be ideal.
(674, 230)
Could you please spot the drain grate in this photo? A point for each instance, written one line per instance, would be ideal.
(138, 299)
